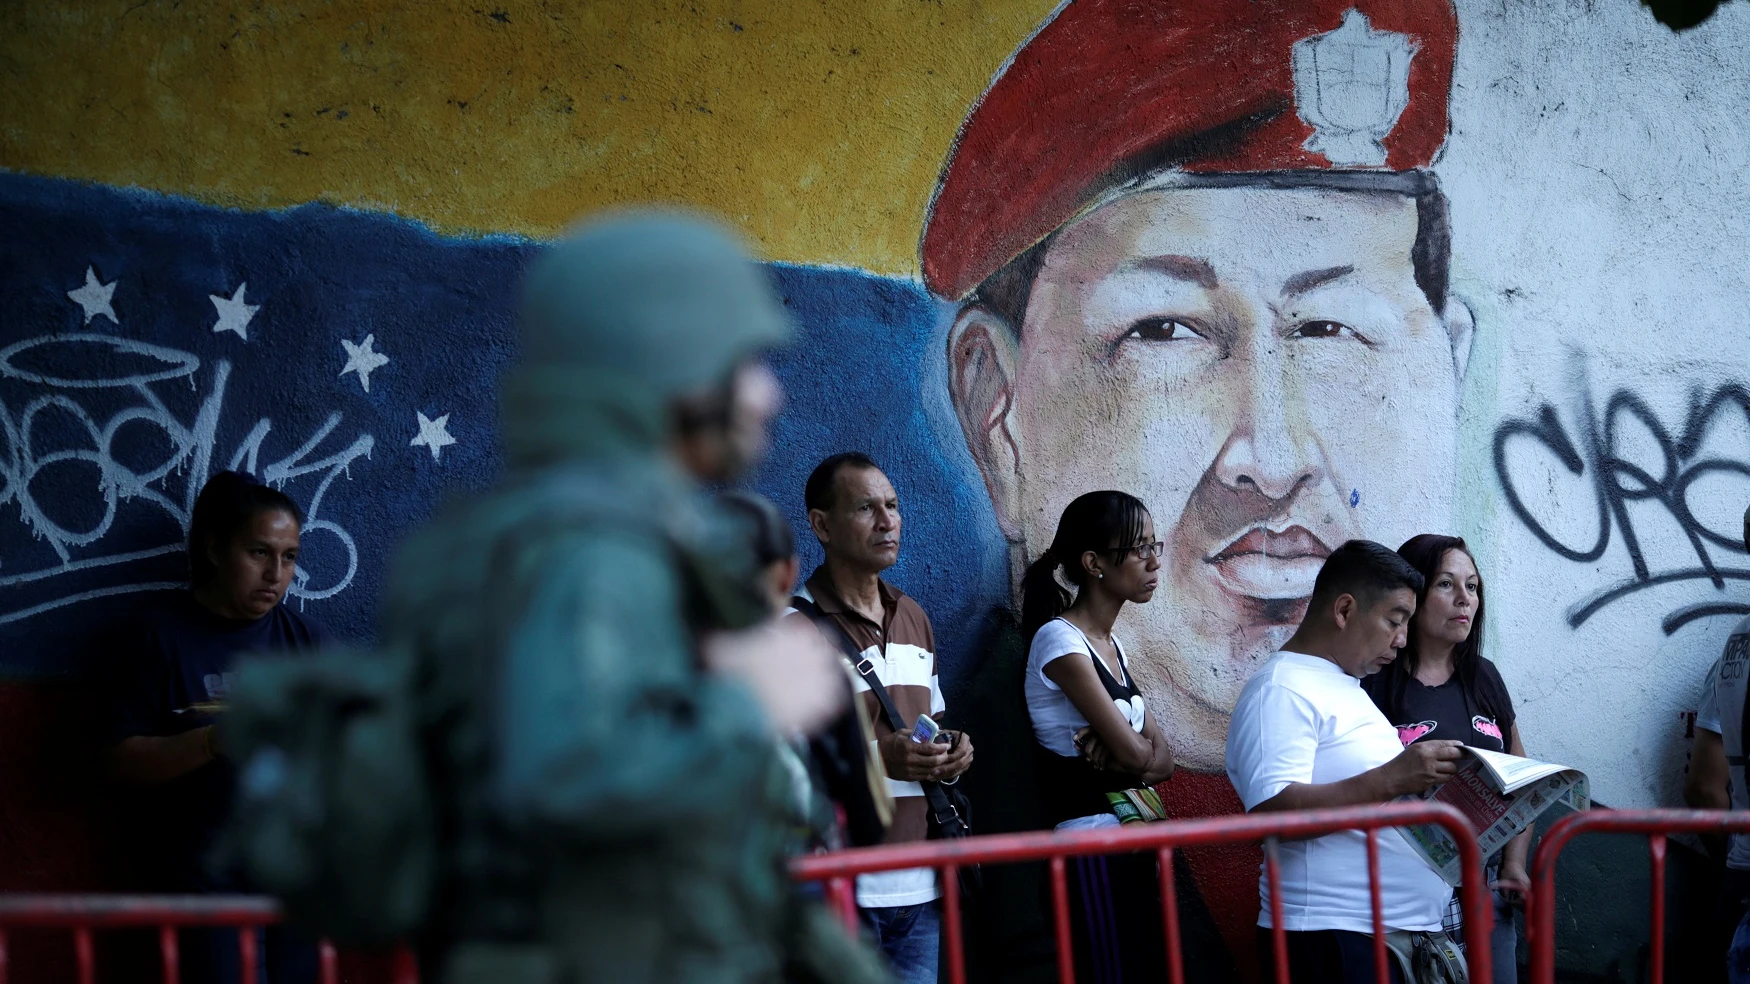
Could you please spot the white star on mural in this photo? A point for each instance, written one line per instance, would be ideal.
(433, 434)
(94, 298)
(363, 359)
(234, 315)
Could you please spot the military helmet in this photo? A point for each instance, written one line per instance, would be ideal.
(621, 317)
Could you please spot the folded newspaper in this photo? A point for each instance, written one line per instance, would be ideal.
(1500, 795)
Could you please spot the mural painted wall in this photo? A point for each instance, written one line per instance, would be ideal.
(1291, 272)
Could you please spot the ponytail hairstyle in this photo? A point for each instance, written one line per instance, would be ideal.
(1425, 551)
(1104, 522)
(227, 504)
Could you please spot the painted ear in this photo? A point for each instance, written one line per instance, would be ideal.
(982, 357)
(1461, 327)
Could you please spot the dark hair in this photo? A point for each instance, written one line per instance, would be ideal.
(768, 533)
(1425, 551)
(1098, 521)
(706, 409)
(1366, 570)
(227, 504)
(1005, 292)
(817, 493)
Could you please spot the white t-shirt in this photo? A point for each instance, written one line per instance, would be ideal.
(1303, 719)
(1055, 718)
(1722, 712)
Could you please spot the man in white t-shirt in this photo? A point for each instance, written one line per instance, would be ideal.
(1305, 736)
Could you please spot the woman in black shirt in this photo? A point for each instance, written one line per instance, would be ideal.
(1442, 687)
(175, 668)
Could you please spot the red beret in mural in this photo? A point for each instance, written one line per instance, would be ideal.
(1112, 90)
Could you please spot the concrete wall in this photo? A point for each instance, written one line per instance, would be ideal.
(175, 303)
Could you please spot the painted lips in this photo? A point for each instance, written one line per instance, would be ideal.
(1265, 563)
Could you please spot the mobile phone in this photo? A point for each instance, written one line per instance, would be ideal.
(926, 730)
(946, 737)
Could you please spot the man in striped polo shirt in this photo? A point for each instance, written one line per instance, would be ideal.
(854, 512)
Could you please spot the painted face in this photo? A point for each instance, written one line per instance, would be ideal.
(255, 568)
(1454, 595)
(862, 527)
(1372, 637)
(1261, 366)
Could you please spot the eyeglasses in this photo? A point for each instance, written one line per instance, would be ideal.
(1144, 551)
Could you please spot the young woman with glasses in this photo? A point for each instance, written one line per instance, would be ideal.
(1095, 735)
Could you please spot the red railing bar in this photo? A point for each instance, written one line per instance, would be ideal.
(1128, 839)
(1066, 962)
(951, 910)
(405, 969)
(1656, 847)
(1170, 915)
(1478, 908)
(842, 894)
(169, 955)
(246, 953)
(329, 961)
(3, 961)
(1381, 972)
(1278, 932)
(121, 911)
(85, 955)
(1540, 913)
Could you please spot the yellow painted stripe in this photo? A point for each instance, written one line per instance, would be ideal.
(818, 126)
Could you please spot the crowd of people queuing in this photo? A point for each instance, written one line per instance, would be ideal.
(645, 708)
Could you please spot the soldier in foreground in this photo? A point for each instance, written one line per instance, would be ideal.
(608, 807)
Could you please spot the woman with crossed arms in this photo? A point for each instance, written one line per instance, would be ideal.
(1095, 735)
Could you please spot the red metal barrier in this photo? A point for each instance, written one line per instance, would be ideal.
(84, 914)
(838, 870)
(1540, 915)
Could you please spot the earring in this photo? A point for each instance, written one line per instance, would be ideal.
(1100, 574)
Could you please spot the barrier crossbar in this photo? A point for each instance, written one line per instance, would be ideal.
(839, 869)
(85, 914)
(1540, 917)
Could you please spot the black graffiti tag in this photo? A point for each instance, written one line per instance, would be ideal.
(1617, 482)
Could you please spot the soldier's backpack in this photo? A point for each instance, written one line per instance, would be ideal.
(334, 813)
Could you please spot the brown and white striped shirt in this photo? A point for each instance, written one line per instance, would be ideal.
(903, 651)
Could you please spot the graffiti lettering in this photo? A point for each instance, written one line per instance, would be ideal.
(1602, 457)
(192, 446)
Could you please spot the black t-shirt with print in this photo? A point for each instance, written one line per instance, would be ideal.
(176, 656)
(1482, 718)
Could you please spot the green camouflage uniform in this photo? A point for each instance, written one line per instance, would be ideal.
(609, 812)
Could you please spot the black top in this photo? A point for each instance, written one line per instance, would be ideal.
(1069, 784)
(176, 655)
(1481, 715)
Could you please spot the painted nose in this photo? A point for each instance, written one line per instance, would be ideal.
(1269, 450)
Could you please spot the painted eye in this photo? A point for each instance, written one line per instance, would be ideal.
(1162, 330)
(1325, 329)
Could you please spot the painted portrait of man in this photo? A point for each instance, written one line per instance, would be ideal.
(1199, 255)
